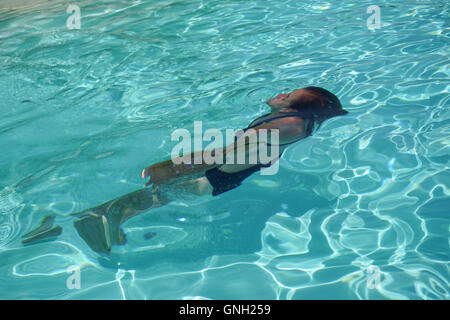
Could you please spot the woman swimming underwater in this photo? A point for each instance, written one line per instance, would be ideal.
(294, 115)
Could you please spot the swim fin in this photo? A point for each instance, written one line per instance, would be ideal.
(43, 231)
(100, 232)
(100, 228)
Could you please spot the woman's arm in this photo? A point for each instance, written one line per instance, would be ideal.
(186, 165)
(289, 129)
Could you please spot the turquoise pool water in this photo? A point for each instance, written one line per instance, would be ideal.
(358, 211)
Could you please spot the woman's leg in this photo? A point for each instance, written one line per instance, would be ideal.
(100, 228)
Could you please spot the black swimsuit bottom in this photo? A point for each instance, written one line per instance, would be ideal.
(223, 181)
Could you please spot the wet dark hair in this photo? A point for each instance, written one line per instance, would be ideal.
(318, 105)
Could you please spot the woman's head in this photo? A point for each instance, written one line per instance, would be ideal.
(313, 103)
(314, 99)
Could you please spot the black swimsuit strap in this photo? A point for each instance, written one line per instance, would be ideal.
(274, 116)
